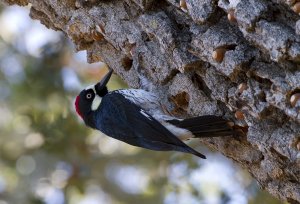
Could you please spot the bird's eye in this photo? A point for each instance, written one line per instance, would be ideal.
(89, 96)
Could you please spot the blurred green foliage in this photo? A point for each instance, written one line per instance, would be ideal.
(47, 154)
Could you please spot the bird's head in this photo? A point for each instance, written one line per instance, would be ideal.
(89, 99)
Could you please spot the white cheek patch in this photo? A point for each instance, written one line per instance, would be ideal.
(96, 102)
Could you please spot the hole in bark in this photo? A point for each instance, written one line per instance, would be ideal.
(127, 63)
(293, 181)
(181, 100)
(150, 37)
(239, 103)
(181, 26)
(292, 201)
(262, 96)
(279, 155)
(196, 79)
(145, 36)
(278, 115)
(230, 47)
(243, 129)
(274, 88)
(263, 82)
(295, 91)
(173, 73)
(267, 112)
(226, 48)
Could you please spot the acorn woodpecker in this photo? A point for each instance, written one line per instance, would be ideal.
(138, 118)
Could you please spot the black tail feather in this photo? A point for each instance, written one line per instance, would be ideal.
(205, 126)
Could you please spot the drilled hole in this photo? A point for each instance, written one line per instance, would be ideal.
(278, 155)
(295, 91)
(293, 181)
(264, 82)
(181, 100)
(230, 47)
(196, 79)
(127, 63)
(262, 96)
(292, 201)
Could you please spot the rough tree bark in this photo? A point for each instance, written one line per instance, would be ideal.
(236, 58)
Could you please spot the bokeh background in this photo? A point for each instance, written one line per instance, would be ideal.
(47, 155)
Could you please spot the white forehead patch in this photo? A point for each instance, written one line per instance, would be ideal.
(91, 87)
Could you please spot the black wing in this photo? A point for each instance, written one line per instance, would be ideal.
(205, 126)
(135, 126)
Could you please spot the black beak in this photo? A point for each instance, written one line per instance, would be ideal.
(102, 84)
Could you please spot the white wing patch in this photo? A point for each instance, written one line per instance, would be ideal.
(145, 114)
(181, 133)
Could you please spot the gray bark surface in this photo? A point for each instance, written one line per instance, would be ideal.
(167, 48)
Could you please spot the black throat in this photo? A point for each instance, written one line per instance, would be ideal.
(90, 120)
(102, 92)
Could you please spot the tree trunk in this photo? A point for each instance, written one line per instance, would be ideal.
(237, 58)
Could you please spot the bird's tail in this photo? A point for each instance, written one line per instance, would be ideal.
(206, 126)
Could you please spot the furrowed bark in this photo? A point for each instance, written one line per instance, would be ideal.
(239, 59)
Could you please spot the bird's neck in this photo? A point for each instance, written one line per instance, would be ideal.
(90, 120)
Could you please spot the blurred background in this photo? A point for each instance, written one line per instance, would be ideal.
(47, 155)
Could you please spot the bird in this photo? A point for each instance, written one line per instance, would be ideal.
(137, 117)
